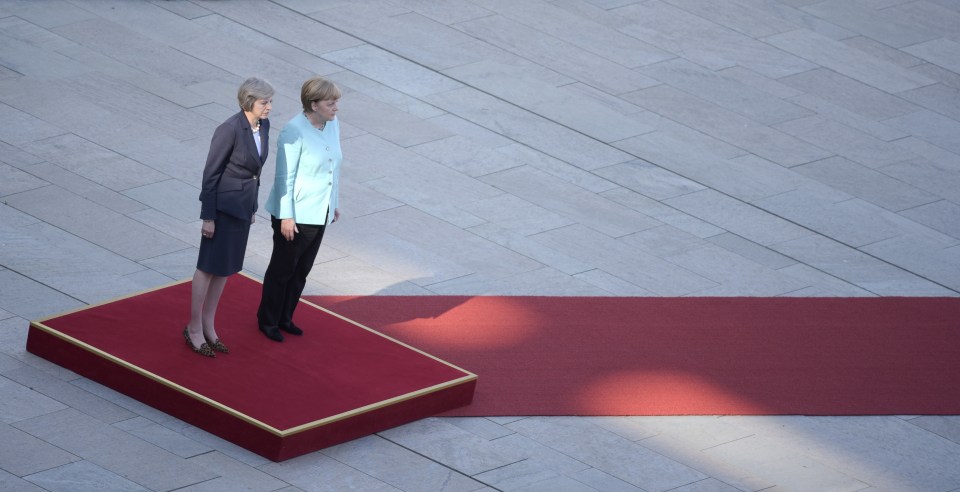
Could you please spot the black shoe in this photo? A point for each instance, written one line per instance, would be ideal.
(292, 329)
(272, 333)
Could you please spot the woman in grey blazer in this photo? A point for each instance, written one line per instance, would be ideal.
(228, 204)
(303, 200)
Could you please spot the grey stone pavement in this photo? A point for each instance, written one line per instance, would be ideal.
(501, 147)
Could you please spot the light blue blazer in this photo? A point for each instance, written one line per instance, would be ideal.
(307, 183)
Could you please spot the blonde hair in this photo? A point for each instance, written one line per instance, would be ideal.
(318, 89)
(251, 90)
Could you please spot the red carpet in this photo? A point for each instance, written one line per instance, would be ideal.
(677, 356)
(338, 382)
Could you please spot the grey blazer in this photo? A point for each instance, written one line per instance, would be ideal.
(231, 176)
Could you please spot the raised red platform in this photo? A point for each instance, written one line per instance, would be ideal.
(338, 382)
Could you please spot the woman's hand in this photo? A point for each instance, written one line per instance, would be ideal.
(208, 228)
(336, 214)
(288, 227)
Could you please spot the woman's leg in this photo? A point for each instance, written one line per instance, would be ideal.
(198, 297)
(209, 311)
(204, 298)
(310, 236)
(283, 261)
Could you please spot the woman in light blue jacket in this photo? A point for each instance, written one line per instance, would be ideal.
(304, 199)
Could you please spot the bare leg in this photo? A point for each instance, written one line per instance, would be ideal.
(203, 305)
(214, 291)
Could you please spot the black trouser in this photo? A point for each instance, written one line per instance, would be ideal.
(286, 275)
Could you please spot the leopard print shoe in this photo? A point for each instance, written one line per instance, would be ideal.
(218, 346)
(204, 349)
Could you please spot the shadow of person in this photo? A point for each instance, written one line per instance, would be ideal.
(381, 309)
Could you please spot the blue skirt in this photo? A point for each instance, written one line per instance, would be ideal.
(222, 255)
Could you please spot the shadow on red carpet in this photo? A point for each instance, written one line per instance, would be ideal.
(683, 356)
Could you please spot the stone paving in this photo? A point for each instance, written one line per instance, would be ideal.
(508, 147)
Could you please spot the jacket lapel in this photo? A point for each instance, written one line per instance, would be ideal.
(246, 136)
(264, 140)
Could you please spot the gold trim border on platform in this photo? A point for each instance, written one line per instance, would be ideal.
(468, 377)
